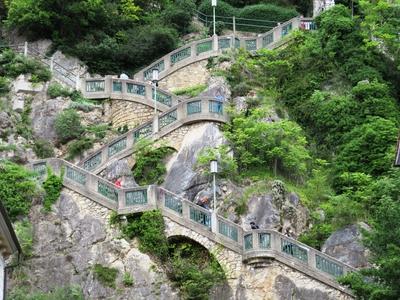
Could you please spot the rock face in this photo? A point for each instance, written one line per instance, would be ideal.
(345, 245)
(44, 114)
(217, 88)
(277, 210)
(76, 236)
(120, 170)
(182, 177)
(279, 282)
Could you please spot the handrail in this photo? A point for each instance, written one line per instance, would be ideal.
(270, 39)
(253, 245)
(127, 89)
(179, 115)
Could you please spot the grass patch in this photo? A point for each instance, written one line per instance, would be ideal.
(24, 232)
(128, 280)
(192, 91)
(52, 186)
(105, 275)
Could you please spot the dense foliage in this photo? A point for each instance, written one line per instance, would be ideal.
(340, 84)
(52, 187)
(150, 166)
(68, 125)
(105, 275)
(17, 189)
(108, 35)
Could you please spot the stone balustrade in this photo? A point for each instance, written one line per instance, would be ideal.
(127, 89)
(185, 112)
(256, 246)
(214, 46)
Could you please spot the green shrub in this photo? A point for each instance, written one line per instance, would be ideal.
(52, 186)
(192, 91)
(4, 85)
(179, 14)
(68, 125)
(127, 280)
(105, 275)
(219, 28)
(223, 9)
(99, 130)
(17, 189)
(149, 229)
(57, 90)
(76, 147)
(227, 166)
(43, 148)
(24, 232)
(150, 167)
(241, 89)
(63, 293)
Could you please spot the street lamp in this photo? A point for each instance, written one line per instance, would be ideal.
(154, 80)
(214, 4)
(214, 170)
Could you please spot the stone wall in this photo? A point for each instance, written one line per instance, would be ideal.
(129, 113)
(191, 75)
(1, 276)
(280, 282)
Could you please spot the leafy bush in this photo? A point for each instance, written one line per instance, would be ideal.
(227, 166)
(149, 167)
(68, 125)
(99, 130)
(57, 90)
(149, 229)
(105, 275)
(17, 189)
(179, 14)
(76, 147)
(43, 148)
(52, 186)
(223, 9)
(12, 65)
(64, 293)
(219, 28)
(4, 85)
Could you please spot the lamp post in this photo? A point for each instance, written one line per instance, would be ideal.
(214, 220)
(214, 170)
(154, 80)
(214, 4)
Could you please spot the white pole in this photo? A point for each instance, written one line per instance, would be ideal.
(215, 194)
(234, 25)
(214, 18)
(26, 49)
(155, 99)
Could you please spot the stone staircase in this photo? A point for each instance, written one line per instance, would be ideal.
(256, 247)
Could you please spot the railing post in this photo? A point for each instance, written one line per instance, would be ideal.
(155, 124)
(149, 92)
(152, 195)
(77, 82)
(234, 26)
(26, 49)
(121, 200)
(214, 222)
(277, 33)
(215, 43)
(52, 63)
(311, 259)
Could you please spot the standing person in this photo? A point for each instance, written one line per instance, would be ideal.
(204, 202)
(253, 225)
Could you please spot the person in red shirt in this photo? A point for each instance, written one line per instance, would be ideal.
(118, 183)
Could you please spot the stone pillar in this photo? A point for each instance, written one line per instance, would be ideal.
(214, 222)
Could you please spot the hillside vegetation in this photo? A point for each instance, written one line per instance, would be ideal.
(339, 85)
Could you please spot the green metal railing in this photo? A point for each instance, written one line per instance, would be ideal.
(224, 43)
(204, 47)
(200, 217)
(294, 250)
(117, 86)
(173, 203)
(95, 86)
(194, 107)
(117, 147)
(93, 162)
(163, 98)
(328, 266)
(268, 39)
(181, 55)
(137, 89)
(143, 132)
(75, 175)
(251, 45)
(148, 73)
(107, 191)
(228, 230)
(248, 241)
(41, 169)
(264, 240)
(216, 107)
(168, 118)
(138, 197)
(286, 29)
